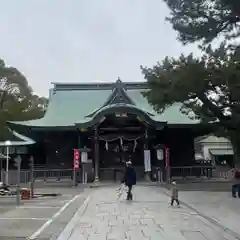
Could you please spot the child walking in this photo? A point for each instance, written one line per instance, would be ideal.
(174, 194)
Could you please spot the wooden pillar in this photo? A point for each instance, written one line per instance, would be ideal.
(96, 155)
(146, 140)
(79, 145)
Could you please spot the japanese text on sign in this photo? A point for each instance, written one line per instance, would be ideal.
(166, 157)
(76, 159)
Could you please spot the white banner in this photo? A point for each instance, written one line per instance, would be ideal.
(160, 154)
(147, 160)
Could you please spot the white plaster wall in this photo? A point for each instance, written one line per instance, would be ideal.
(207, 146)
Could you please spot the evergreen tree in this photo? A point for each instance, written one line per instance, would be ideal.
(204, 20)
(208, 86)
(17, 100)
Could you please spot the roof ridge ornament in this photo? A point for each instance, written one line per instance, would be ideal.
(119, 80)
(119, 84)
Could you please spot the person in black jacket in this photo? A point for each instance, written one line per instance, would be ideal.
(129, 179)
(236, 181)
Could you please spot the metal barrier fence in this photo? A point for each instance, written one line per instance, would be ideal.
(192, 171)
(58, 174)
(206, 172)
(158, 174)
(12, 177)
(45, 175)
(225, 175)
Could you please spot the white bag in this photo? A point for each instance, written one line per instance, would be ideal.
(120, 190)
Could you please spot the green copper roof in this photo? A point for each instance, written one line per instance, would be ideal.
(69, 107)
(121, 108)
(72, 104)
(171, 115)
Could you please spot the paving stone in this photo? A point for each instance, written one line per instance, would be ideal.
(116, 234)
(116, 213)
(136, 217)
(97, 237)
(102, 214)
(110, 219)
(196, 235)
(113, 222)
(79, 236)
(114, 218)
(135, 234)
(217, 206)
(129, 222)
(151, 231)
(156, 236)
(173, 233)
(103, 230)
(159, 221)
(147, 221)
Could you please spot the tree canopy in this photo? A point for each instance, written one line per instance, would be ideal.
(207, 86)
(204, 20)
(17, 100)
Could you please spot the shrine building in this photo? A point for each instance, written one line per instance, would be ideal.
(116, 124)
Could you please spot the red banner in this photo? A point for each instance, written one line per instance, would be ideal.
(166, 157)
(76, 159)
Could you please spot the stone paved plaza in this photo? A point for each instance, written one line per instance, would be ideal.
(220, 207)
(147, 217)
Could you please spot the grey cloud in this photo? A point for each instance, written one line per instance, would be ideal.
(85, 40)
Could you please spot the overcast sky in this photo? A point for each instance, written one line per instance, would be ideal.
(85, 40)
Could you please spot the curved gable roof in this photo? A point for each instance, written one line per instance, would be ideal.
(66, 107)
(78, 103)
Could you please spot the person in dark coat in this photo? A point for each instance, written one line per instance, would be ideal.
(236, 181)
(129, 179)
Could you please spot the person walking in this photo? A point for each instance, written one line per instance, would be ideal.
(174, 194)
(236, 182)
(129, 179)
